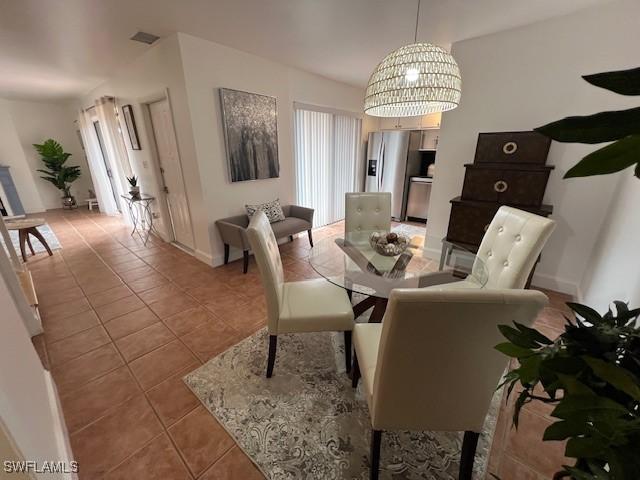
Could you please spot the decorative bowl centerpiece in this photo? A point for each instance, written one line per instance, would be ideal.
(388, 244)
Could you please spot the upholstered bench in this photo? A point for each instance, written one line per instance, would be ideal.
(233, 230)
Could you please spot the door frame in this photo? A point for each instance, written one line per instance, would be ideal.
(113, 187)
(114, 181)
(159, 177)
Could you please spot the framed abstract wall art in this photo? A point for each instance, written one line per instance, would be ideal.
(251, 135)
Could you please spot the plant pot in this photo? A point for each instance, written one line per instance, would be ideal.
(134, 192)
(69, 202)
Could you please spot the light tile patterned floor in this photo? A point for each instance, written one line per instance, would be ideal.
(124, 322)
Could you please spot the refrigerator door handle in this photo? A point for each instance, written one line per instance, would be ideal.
(381, 166)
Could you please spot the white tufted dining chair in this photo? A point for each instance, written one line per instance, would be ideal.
(306, 306)
(364, 212)
(509, 249)
(367, 212)
(431, 364)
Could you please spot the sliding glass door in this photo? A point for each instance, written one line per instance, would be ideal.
(327, 152)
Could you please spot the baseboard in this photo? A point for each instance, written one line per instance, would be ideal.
(63, 446)
(432, 253)
(557, 284)
(204, 257)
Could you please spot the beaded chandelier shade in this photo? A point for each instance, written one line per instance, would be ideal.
(416, 79)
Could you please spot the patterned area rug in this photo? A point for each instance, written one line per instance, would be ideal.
(47, 233)
(307, 422)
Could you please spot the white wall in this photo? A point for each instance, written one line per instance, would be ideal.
(35, 122)
(209, 66)
(21, 125)
(144, 80)
(526, 77)
(12, 154)
(28, 403)
(193, 70)
(613, 271)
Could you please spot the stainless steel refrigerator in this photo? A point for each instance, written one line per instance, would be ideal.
(392, 157)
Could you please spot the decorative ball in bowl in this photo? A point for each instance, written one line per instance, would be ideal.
(388, 244)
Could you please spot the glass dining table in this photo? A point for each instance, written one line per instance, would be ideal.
(350, 262)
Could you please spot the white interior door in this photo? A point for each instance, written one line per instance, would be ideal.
(171, 172)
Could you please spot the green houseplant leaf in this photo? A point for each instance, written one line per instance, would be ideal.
(624, 82)
(590, 373)
(54, 158)
(563, 430)
(616, 376)
(597, 128)
(577, 405)
(622, 127)
(610, 159)
(50, 149)
(512, 350)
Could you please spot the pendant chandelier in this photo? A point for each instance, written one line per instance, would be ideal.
(416, 79)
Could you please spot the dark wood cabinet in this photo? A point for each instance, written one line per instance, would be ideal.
(470, 219)
(509, 169)
(512, 148)
(522, 185)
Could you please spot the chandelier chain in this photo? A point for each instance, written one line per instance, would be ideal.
(415, 36)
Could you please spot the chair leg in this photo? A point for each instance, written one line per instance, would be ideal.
(245, 261)
(469, 444)
(226, 253)
(355, 371)
(310, 237)
(376, 441)
(271, 360)
(347, 350)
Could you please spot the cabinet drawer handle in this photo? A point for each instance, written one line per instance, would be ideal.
(500, 186)
(510, 148)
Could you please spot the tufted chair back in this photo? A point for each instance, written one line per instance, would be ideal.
(511, 245)
(265, 248)
(436, 367)
(367, 212)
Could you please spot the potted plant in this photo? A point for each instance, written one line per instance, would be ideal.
(134, 188)
(60, 175)
(591, 372)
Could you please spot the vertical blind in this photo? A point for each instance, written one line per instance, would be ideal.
(327, 149)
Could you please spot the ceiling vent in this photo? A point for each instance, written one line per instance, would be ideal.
(145, 37)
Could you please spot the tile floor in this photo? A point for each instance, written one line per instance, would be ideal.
(124, 322)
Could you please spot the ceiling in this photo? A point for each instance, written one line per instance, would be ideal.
(61, 49)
